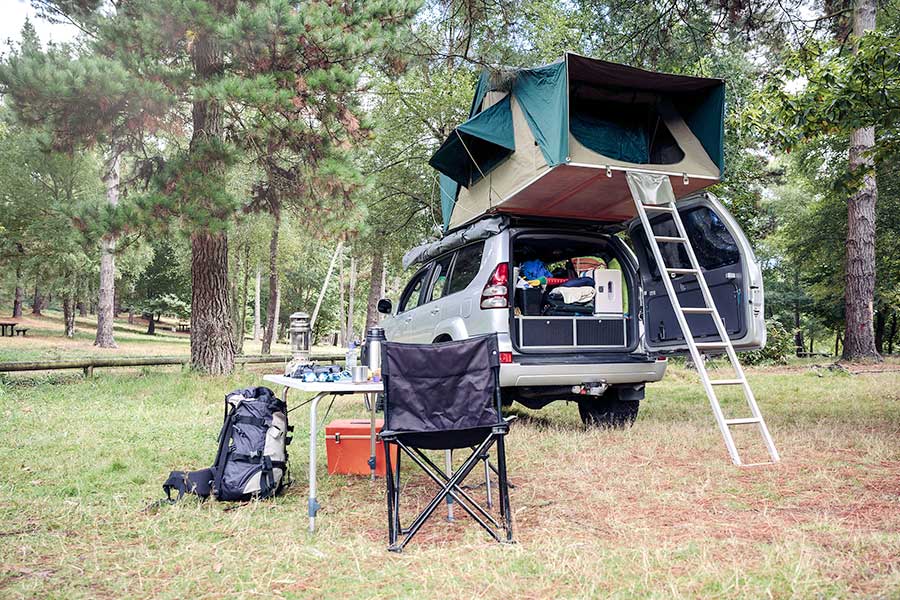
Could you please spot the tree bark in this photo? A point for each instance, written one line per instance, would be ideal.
(212, 340)
(257, 333)
(272, 309)
(69, 314)
(376, 280)
(859, 288)
(880, 322)
(37, 302)
(212, 335)
(19, 298)
(893, 332)
(342, 316)
(242, 313)
(131, 316)
(106, 296)
(798, 332)
(277, 316)
(151, 325)
(351, 300)
(82, 309)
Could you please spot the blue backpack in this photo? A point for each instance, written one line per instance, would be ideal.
(251, 460)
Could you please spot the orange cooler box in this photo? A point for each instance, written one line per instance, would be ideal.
(347, 447)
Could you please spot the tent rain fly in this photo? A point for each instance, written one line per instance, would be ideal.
(555, 141)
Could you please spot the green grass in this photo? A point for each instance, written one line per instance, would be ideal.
(654, 511)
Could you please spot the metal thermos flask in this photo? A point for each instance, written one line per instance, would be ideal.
(374, 337)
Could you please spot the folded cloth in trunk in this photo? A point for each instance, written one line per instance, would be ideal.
(574, 295)
(556, 306)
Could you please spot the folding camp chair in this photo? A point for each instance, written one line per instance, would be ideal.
(444, 397)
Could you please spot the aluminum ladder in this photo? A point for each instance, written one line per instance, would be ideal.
(653, 193)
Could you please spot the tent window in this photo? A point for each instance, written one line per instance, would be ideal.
(624, 127)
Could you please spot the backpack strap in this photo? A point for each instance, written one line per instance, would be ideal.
(198, 483)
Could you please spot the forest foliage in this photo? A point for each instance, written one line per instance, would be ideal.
(328, 120)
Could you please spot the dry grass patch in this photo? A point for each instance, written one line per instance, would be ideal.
(654, 511)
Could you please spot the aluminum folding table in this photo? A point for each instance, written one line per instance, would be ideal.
(321, 390)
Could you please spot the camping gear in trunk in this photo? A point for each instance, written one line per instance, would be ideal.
(555, 140)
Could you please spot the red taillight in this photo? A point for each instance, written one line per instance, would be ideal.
(496, 292)
(505, 358)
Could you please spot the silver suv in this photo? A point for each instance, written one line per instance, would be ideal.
(556, 351)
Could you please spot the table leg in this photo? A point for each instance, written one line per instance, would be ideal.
(313, 421)
(372, 435)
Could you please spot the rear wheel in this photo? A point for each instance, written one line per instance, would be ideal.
(611, 410)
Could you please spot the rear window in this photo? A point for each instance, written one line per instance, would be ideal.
(468, 263)
(712, 242)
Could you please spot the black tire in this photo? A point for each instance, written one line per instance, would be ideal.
(608, 411)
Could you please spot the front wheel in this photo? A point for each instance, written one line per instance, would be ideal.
(611, 410)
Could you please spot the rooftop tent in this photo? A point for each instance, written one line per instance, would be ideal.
(575, 126)
(477, 146)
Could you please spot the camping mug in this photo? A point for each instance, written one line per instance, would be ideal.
(360, 374)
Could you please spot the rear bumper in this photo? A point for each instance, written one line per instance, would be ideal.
(563, 372)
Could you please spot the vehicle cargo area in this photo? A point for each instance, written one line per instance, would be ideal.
(571, 293)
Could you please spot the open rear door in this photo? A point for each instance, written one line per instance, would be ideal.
(729, 266)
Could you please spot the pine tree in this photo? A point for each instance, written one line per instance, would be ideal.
(150, 62)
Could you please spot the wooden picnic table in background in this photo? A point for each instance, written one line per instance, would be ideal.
(7, 324)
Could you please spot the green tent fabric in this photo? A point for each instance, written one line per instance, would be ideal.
(478, 145)
(706, 119)
(544, 97)
(448, 189)
(481, 89)
(621, 139)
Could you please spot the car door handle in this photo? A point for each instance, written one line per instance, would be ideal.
(407, 320)
(435, 311)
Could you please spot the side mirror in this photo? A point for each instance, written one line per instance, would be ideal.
(385, 307)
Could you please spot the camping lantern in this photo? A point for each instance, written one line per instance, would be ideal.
(300, 336)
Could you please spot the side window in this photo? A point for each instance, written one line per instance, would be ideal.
(413, 292)
(440, 274)
(713, 243)
(468, 263)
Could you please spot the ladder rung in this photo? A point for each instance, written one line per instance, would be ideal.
(744, 421)
(658, 207)
(668, 270)
(759, 464)
(696, 309)
(726, 381)
(711, 344)
(669, 238)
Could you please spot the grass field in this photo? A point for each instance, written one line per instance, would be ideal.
(654, 511)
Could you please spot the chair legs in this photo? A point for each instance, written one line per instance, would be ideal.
(450, 490)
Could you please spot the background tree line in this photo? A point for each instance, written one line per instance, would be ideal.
(218, 152)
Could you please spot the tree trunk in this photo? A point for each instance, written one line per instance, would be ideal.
(893, 332)
(837, 343)
(351, 300)
(811, 342)
(212, 336)
(130, 316)
(37, 302)
(376, 281)
(242, 313)
(859, 288)
(151, 325)
(798, 332)
(272, 309)
(69, 314)
(880, 322)
(257, 333)
(277, 335)
(342, 316)
(106, 296)
(82, 309)
(19, 298)
(212, 341)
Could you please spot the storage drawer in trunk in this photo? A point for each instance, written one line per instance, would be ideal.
(570, 332)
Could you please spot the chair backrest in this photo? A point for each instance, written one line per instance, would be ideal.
(441, 387)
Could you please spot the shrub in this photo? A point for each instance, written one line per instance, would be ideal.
(779, 346)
